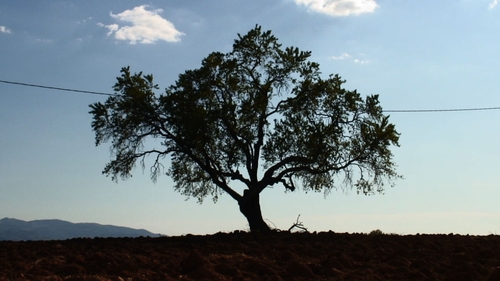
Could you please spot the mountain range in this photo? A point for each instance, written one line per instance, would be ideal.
(19, 230)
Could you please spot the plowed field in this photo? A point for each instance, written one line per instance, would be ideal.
(245, 256)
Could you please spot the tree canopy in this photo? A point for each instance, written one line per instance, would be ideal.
(261, 115)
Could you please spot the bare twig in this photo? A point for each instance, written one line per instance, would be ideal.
(298, 224)
(271, 223)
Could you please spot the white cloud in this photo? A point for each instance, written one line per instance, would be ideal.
(112, 27)
(346, 56)
(361, 61)
(341, 57)
(146, 26)
(492, 4)
(4, 29)
(340, 7)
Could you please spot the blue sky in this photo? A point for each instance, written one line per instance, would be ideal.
(414, 54)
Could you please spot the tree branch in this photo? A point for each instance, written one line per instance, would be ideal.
(298, 224)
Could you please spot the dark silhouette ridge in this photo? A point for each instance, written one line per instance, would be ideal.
(19, 230)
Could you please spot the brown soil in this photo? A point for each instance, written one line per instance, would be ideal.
(245, 256)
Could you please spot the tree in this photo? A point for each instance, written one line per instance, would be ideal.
(261, 115)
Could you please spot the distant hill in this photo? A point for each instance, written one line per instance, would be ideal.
(18, 230)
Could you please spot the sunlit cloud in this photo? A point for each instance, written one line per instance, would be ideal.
(340, 7)
(492, 4)
(4, 29)
(146, 26)
(111, 27)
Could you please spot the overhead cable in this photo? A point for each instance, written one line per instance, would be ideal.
(56, 88)
(387, 111)
(440, 110)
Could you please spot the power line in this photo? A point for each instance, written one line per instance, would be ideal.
(441, 110)
(388, 111)
(56, 88)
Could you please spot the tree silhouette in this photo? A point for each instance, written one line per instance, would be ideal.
(261, 115)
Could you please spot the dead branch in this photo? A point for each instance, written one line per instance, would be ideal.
(298, 224)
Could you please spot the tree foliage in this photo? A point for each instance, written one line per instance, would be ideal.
(261, 114)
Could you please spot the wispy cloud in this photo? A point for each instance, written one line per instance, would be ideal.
(340, 7)
(358, 61)
(84, 21)
(341, 57)
(346, 56)
(45, 41)
(492, 4)
(4, 29)
(112, 27)
(146, 26)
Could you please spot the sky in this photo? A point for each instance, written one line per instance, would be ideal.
(414, 54)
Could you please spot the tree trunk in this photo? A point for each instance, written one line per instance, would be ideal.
(250, 208)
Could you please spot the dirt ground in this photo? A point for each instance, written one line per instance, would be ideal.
(245, 256)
